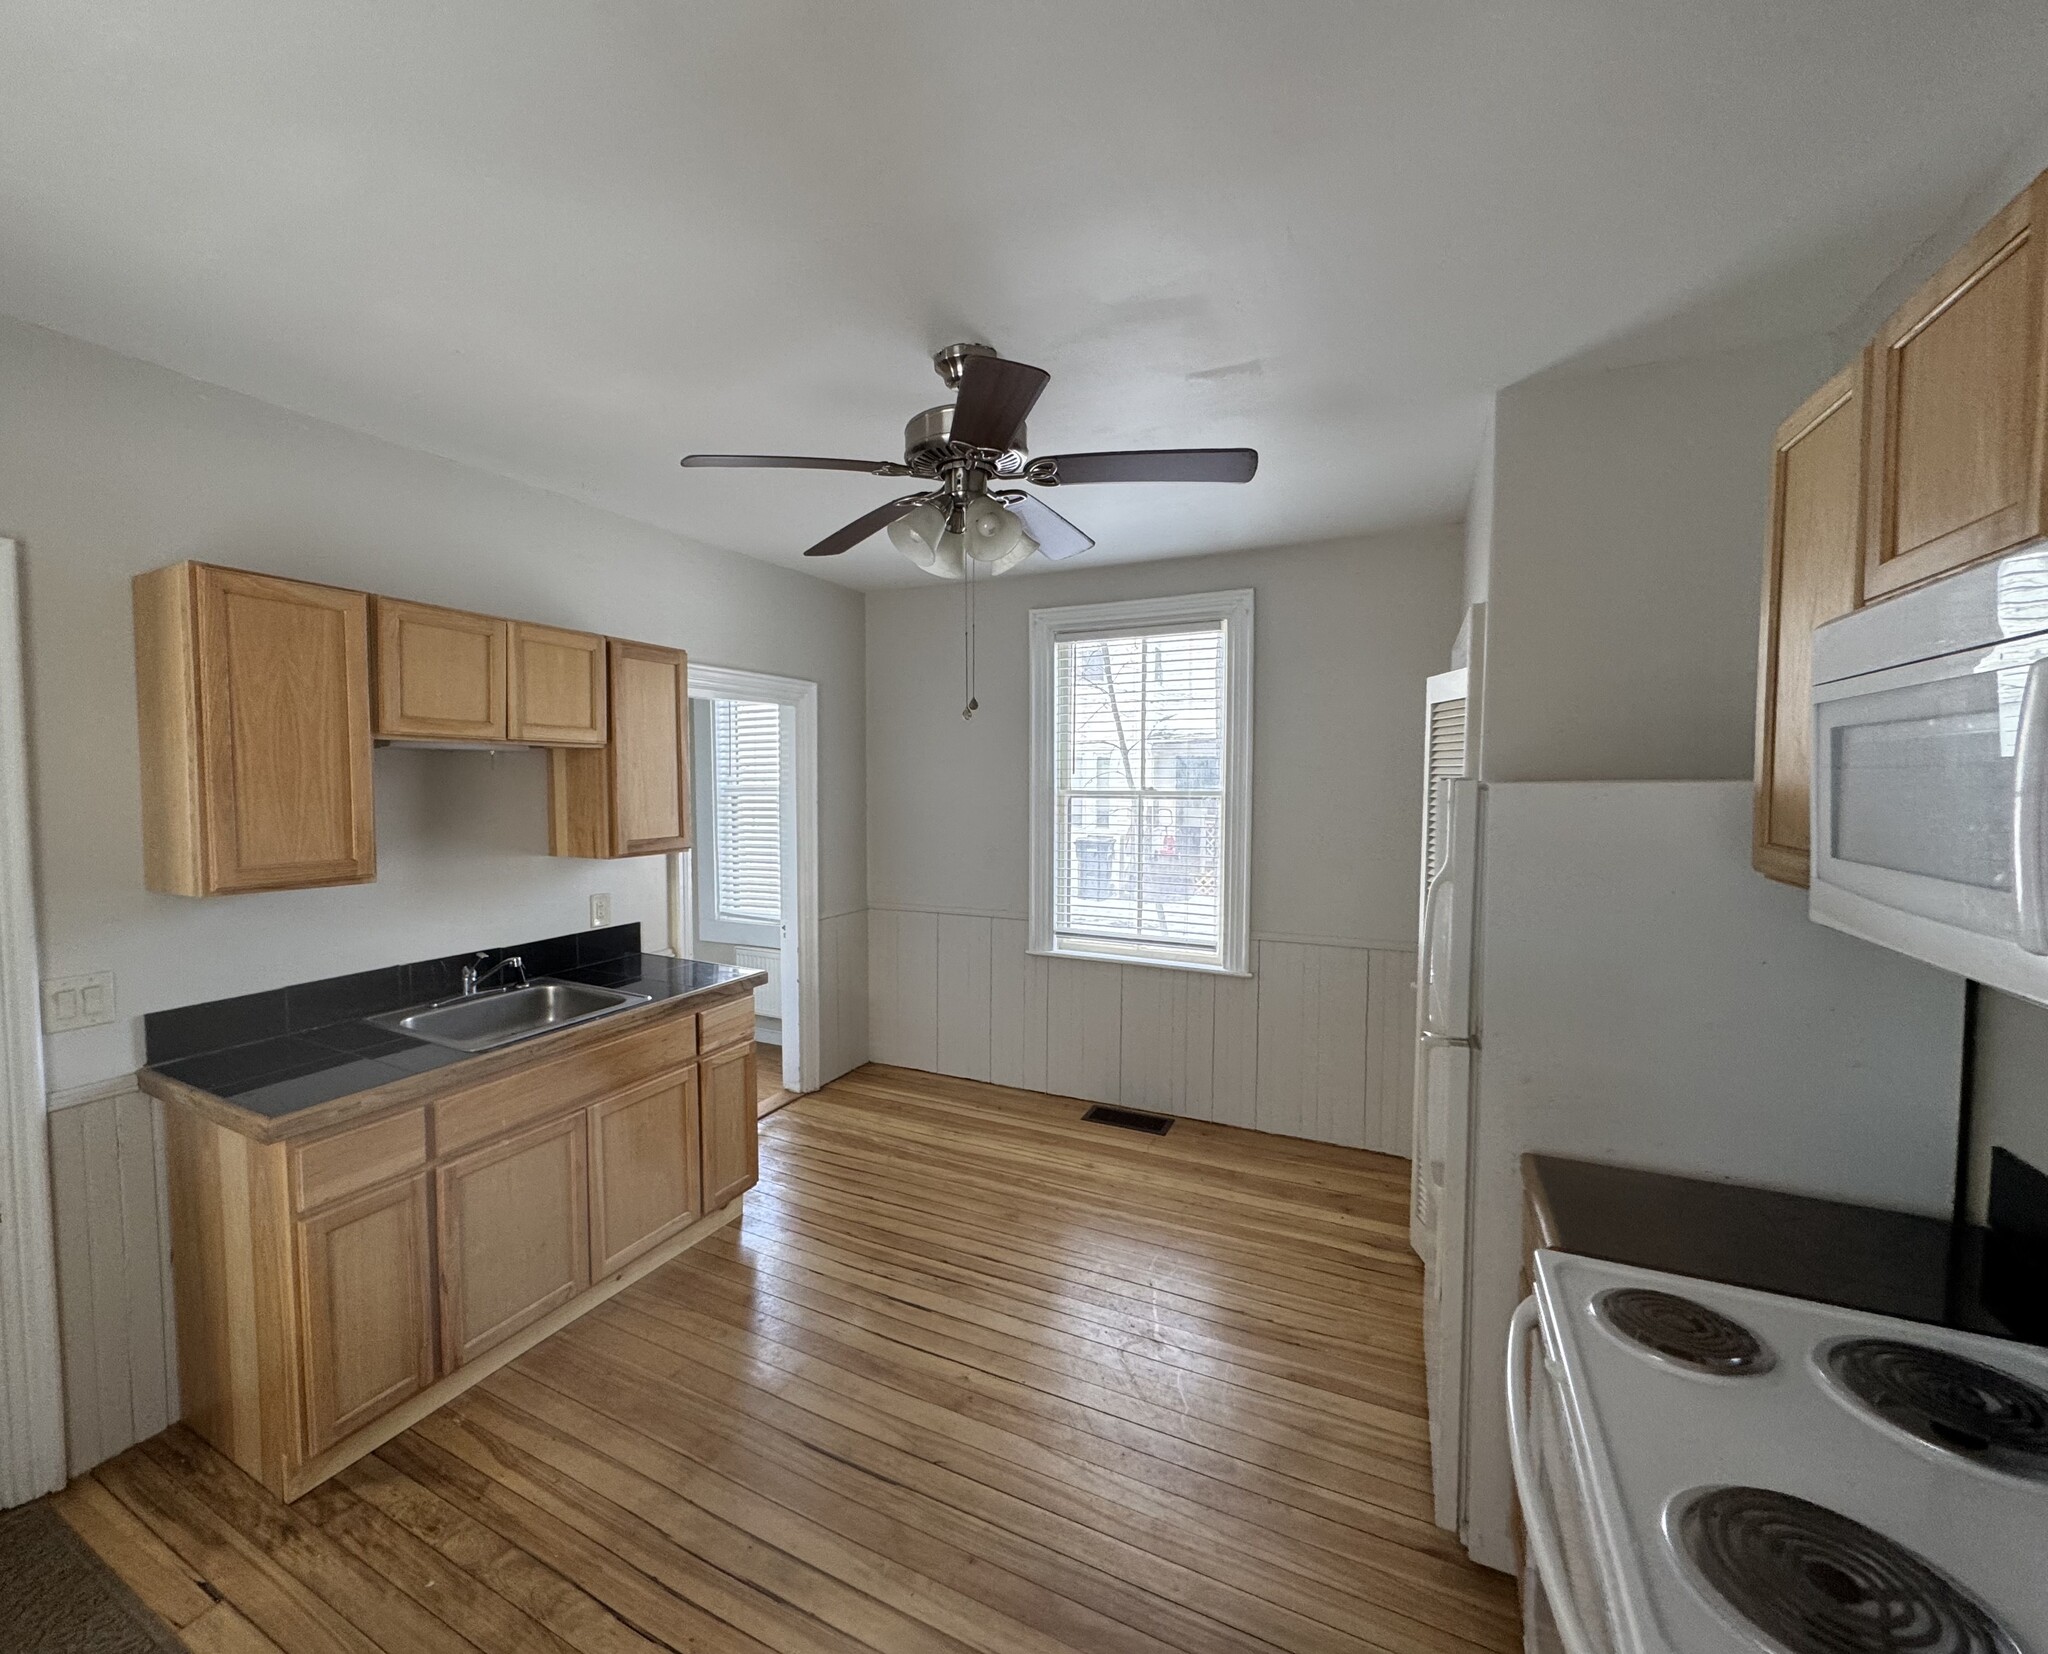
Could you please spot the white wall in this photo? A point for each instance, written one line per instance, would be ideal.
(1318, 1042)
(109, 467)
(1625, 565)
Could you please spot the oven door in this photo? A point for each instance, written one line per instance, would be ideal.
(1928, 793)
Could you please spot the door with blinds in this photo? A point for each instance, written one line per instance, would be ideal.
(1445, 758)
(742, 756)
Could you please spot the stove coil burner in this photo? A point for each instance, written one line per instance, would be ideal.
(1816, 1582)
(1681, 1331)
(1947, 1401)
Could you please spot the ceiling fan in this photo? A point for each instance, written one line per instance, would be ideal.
(967, 449)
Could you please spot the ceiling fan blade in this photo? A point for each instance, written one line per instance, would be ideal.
(861, 527)
(1057, 538)
(1154, 465)
(994, 399)
(796, 462)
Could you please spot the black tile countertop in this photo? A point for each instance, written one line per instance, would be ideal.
(296, 1068)
(1861, 1257)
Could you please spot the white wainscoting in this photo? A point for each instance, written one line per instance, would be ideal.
(1319, 1042)
(843, 1002)
(112, 1219)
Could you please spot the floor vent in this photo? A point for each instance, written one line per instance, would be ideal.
(1158, 1125)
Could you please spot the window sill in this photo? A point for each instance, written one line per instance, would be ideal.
(1094, 956)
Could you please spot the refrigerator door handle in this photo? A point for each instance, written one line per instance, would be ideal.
(1429, 1036)
(1437, 885)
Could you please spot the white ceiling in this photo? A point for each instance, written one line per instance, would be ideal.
(570, 242)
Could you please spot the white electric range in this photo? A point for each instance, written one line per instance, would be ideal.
(1708, 1469)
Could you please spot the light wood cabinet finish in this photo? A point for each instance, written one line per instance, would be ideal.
(334, 1287)
(725, 1091)
(1957, 462)
(514, 1236)
(365, 1308)
(557, 687)
(633, 798)
(253, 699)
(1810, 575)
(644, 1177)
(441, 673)
(729, 1024)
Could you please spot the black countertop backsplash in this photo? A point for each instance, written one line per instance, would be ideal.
(288, 1049)
(1990, 1280)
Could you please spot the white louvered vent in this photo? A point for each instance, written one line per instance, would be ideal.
(746, 739)
(1446, 762)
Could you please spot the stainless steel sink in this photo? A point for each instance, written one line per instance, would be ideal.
(498, 1016)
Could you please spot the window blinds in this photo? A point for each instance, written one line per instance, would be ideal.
(1139, 768)
(746, 740)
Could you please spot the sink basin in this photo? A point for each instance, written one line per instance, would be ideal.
(482, 1022)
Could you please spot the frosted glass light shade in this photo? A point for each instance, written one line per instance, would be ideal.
(917, 535)
(991, 532)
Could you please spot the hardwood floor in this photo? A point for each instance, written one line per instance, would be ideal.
(969, 1375)
(768, 1092)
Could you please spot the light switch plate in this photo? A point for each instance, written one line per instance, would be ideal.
(78, 1001)
(600, 909)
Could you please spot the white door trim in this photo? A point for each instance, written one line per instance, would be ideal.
(31, 1379)
(730, 683)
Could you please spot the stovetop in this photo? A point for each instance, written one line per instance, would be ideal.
(1768, 1473)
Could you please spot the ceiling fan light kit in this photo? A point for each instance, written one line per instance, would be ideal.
(965, 447)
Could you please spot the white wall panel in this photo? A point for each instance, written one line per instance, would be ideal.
(963, 996)
(1390, 1053)
(1318, 1043)
(107, 1189)
(843, 1001)
(1084, 1030)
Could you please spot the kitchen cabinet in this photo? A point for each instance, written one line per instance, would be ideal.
(557, 687)
(514, 1237)
(644, 1179)
(365, 1308)
(725, 1084)
(441, 674)
(1958, 423)
(632, 798)
(1810, 575)
(252, 695)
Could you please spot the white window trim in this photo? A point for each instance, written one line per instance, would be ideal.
(1233, 609)
(712, 925)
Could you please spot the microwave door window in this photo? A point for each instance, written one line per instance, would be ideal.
(1922, 781)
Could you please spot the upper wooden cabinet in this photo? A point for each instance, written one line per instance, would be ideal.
(253, 699)
(632, 798)
(1959, 408)
(1810, 576)
(557, 687)
(441, 673)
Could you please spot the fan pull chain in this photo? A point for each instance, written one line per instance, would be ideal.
(967, 651)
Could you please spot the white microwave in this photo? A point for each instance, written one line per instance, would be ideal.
(1930, 773)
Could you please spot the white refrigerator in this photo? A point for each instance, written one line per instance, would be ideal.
(1603, 975)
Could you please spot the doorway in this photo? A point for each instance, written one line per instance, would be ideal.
(752, 884)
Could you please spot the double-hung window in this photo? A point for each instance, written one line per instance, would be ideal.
(1141, 781)
(739, 879)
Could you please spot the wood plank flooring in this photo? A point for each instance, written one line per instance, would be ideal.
(969, 1375)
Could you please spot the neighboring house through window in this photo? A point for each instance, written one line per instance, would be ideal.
(1141, 781)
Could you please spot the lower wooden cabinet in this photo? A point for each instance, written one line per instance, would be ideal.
(725, 1082)
(335, 1286)
(644, 1181)
(366, 1320)
(514, 1236)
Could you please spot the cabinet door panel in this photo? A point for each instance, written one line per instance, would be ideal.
(557, 687)
(1810, 576)
(365, 1315)
(644, 1177)
(514, 1234)
(725, 1090)
(1957, 408)
(650, 754)
(441, 673)
(284, 713)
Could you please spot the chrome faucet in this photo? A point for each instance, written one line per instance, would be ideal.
(475, 974)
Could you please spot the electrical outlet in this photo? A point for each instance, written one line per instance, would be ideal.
(600, 909)
(78, 1001)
